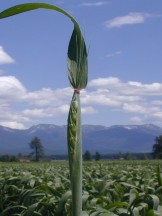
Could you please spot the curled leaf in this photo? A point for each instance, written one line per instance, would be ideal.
(77, 61)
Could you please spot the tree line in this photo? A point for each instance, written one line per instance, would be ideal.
(37, 153)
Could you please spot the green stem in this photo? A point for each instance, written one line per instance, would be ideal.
(75, 154)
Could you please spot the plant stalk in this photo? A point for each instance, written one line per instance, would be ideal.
(75, 153)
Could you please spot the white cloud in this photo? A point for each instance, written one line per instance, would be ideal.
(130, 97)
(11, 89)
(11, 124)
(91, 4)
(136, 120)
(64, 108)
(129, 19)
(88, 110)
(49, 97)
(126, 88)
(110, 55)
(35, 112)
(142, 101)
(99, 99)
(12, 118)
(46, 112)
(4, 57)
(104, 82)
(134, 107)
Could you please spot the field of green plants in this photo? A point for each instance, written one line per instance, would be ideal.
(109, 188)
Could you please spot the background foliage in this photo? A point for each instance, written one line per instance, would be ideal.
(109, 188)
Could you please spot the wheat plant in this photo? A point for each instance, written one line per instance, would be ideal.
(77, 74)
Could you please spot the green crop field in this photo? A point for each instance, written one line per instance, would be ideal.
(109, 188)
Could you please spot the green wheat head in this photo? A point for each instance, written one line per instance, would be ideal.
(72, 126)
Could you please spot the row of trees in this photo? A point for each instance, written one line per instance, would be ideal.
(38, 152)
(88, 156)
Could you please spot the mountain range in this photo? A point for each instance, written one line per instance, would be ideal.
(105, 140)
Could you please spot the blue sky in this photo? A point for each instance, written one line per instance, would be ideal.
(124, 39)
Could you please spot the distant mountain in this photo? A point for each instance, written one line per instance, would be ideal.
(124, 138)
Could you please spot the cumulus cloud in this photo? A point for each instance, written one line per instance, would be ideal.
(64, 108)
(141, 99)
(126, 88)
(10, 117)
(49, 111)
(99, 99)
(13, 125)
(134, 107)
(88, 110)
(41, 113)
(48, 97)
(19, 107)
(129, 19)
(104, 82)
(4, 57)
(11, 89)
(136, 119)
